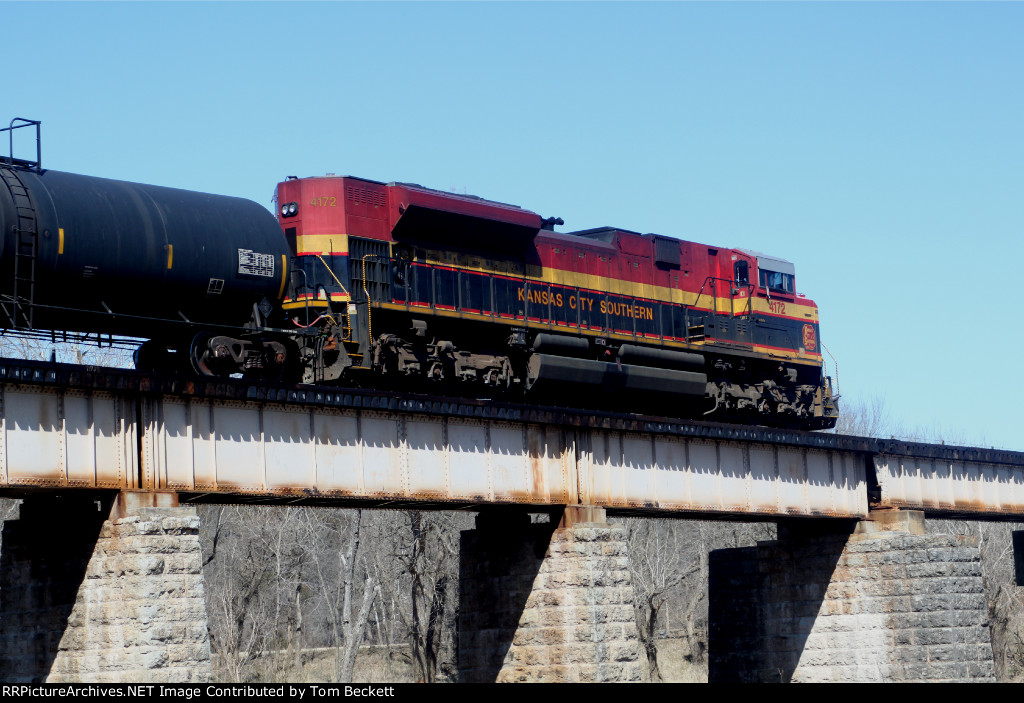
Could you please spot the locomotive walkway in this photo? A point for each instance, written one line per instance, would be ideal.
(103, 568)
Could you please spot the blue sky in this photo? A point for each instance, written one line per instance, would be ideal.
(877, 146)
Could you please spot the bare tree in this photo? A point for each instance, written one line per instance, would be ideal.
(116, 353)
(417, 566)
(870, 419)
(339, 572)
(354, 625)
(253, 562)
(659, 560)
(235, 577)
(669, 569)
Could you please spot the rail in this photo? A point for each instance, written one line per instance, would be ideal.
(86, 378)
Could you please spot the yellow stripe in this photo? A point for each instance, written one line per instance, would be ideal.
(322, 243)
(60, 241)
(170, 255)
(284, 276)
(314, 303)
(615, 286)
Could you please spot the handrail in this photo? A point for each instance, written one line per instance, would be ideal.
(732, 285)
(38, 164)
(343, 289)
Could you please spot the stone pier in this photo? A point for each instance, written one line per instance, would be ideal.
(547, 602)
(102, 590)
(877, 600)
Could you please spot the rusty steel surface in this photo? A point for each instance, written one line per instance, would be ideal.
(669, 473)
(72, 426)
(209, 446)
(201, 445)
(72, 438)
(940, 485)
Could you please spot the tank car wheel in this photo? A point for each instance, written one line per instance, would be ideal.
(152, 356)
(282, 365)
(199, 354)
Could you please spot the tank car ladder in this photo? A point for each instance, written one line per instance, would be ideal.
(26, 252)
(26, 231)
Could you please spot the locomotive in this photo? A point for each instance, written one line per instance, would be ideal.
(361, 282)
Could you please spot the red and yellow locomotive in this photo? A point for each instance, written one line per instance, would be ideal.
(408, 285)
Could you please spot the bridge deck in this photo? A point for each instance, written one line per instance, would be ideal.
(72, 427)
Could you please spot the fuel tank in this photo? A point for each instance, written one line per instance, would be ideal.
(134, 259)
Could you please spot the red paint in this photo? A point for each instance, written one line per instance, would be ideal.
(364, 208)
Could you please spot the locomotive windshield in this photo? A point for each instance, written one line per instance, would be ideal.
(774, 274)
(776, 280)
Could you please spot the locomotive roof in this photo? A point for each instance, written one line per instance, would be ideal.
(574, 239)
(771, 263)
(602, 234)
(449, 194)
(417, 186)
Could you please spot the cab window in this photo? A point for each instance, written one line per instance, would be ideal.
(741, 273)
(777, 281)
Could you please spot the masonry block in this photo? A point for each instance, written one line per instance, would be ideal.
(557, 598)
(844, 603)
(89, 593)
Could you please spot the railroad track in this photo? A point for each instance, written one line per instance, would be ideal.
(72, 376)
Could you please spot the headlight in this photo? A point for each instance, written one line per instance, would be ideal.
(289, 210)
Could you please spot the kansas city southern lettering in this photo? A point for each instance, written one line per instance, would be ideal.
(541, 297)
(585, 303)
(640, 312)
